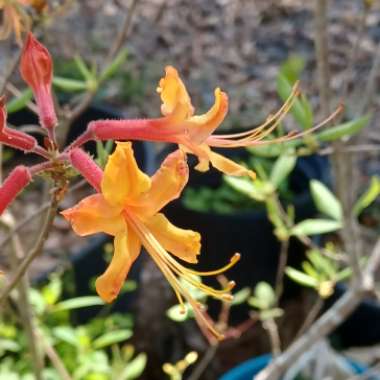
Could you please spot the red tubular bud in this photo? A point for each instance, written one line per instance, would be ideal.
(12, 137)
(36, 69)
(18, 178)
(87, 167)
(137, 129)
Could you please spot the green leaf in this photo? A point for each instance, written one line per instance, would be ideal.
(255, 190)
(346, 129)
(310, 270)
(66, 334)
(112, 337)
(52, 291)
(368, 197)
(18, 103)
(315, 227)
(265, 295)
(241, 296)
(301, 278)
(271, 314)
(175, 313)
(322, 264)
(87, 74)
(292, 68)
(70, 85)
(114, 65)
(300, 109)
(78, 302)
(282, 168)
(344, 274)
(325, 200)
(134, 368)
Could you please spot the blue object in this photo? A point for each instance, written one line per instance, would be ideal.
(248, 369)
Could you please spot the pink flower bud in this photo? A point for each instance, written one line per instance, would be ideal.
(36, 69)
(12, 137)
(18, 178)
(87, 167)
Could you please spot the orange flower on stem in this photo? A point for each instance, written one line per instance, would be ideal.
(193, 133)
(128, 209)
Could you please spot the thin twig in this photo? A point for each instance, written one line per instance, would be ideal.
(54, 357)
(26, 314)
(342, 164)
(203, 364)
(283, 259)
(371, 84)
(34, 252)
(270, 326)
(311, 316)
(23, 304)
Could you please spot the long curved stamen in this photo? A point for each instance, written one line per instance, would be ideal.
(154, 249)
(293, 136)
(185, 273)
(233, 260)
(252, 136)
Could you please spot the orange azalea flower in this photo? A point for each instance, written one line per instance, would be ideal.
(194, 133)
(128, 209)
(16, 17)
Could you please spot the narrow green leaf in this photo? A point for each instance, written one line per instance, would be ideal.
(283, 166)
(18, 103)
(241, 296)
(310, 270)
(301, 278)
(346, 129)
(325, 200)
(298, 110)
(271, 314)
(78, 302)
(112, 337)
(114, 65)
(344, 274)
(315, 227)
(134, 368)
(87, 74)
(66, 334)
(247, 187)
(292, 68)
(368, 197)
(321, 263)
(70, 85)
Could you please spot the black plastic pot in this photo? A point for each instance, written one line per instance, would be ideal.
(248, 232)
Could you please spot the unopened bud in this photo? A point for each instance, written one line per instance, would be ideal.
(87, 167)
(36, 69)
(18, 178)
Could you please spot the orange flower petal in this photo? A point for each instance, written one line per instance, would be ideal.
(123, 181)
(175, 99)
(229, 167)
(185, 244)
(200, 127)
(127, 249)
(92, 215)
(167, 184)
